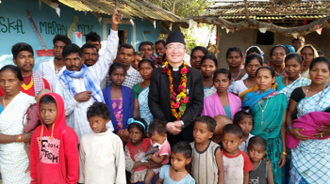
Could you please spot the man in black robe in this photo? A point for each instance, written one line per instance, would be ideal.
(159, 95)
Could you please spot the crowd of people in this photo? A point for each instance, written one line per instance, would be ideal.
(132, 117)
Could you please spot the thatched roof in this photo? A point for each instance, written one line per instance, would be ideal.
(276, 16)
(129, 8)
(268, 10)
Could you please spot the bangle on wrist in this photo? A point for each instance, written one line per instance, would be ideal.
(284, 153)
(19, 138)
(288, 128)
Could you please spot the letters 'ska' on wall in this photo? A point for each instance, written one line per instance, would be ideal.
(20, 21)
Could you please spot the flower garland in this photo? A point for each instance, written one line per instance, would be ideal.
(178, 101)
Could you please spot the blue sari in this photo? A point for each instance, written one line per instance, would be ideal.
(268, 124)
(127, 104)
(144, 106)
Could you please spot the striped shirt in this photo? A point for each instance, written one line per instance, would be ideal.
(75, 112)
(204, 168)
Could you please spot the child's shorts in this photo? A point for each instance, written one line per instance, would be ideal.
(156, 171)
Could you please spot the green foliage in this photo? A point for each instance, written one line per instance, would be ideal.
(190, 41)
(191, 36)
(182, 8)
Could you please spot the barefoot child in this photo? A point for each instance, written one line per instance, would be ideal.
(221, 122)
(236, 163)
(158, 136)
(262, 172)
(101, 154)
(206, 164)
(176, 173)
(135, 150)
(244, 119)
(54, 145)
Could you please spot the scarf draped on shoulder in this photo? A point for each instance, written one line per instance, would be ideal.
(91, 83)
(252, 99)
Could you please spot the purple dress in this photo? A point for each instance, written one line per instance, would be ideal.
(117, 106)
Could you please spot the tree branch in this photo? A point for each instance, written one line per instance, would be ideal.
(246, 10)
(199, 7)
(173, 7)
(254, 24)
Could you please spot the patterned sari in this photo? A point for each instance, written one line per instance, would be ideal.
(254, 88)
(268, 124)
(311, 158)
(144, 106)
(301, 81)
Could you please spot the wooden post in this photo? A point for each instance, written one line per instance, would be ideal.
(217, 54)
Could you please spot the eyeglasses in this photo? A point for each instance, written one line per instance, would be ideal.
(178, 48)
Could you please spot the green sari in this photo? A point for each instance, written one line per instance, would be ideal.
(269, 128)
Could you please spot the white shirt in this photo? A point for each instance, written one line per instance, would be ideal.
(101, 159)
(239, 87)
(75, 112)
(47, 70)
(245, 144)
(230, 88)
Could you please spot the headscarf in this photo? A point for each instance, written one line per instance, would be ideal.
(306, 73)
(290, 48)
(308, 45)
(260, 53)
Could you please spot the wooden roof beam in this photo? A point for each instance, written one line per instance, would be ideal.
(254, 24)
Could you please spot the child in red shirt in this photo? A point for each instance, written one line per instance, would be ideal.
(54, 145)
(236, 163)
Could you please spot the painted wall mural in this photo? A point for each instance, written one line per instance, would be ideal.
(15, 27)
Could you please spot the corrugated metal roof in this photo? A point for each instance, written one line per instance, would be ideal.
(129, 8)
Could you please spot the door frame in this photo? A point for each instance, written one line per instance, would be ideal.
(109, 20)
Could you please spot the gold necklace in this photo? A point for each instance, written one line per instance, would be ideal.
(262, 111)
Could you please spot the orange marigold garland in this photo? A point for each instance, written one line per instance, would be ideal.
(178, 101)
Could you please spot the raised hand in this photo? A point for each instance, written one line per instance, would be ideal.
(116, 16)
